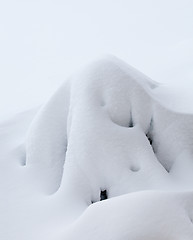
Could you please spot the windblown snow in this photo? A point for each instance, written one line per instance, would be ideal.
(103, 159)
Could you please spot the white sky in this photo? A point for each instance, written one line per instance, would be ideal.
(43, 41)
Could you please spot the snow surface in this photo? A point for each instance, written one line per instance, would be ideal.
(105, 129)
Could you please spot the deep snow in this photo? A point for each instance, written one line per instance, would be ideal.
(106, 128)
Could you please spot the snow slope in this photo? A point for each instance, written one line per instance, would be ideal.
(104, 134)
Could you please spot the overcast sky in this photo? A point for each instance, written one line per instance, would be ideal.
(44, 41)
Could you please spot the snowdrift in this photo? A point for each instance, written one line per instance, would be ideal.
(104, 135)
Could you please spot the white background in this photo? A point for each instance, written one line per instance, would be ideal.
(42, 42)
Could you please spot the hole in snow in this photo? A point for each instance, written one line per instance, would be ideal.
(134, 168)
(149, 133)
(131, 121)
(131, 124)
(149, 138)
(103, 195)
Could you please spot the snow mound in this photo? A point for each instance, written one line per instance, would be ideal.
(105, 135)
(104, 125)
(137, 216)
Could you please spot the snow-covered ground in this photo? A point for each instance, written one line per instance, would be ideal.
(109, 132)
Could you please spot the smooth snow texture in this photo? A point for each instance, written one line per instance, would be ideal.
(141, 215)
(104, 130)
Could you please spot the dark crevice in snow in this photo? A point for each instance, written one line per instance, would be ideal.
(149, 138)
(131, 121)
(103, 195)
(149, 135)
